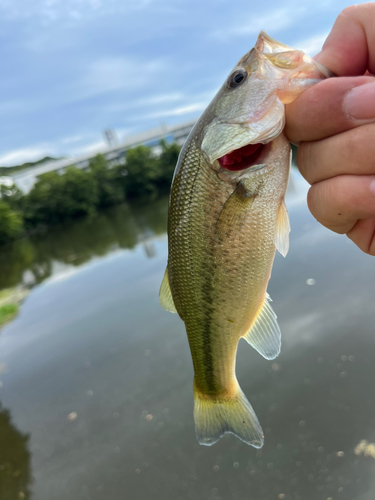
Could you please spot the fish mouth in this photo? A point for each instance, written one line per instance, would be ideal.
(242, 158)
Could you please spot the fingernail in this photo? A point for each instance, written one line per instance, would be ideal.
(359, 103)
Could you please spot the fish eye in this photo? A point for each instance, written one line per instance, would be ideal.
(237, 78)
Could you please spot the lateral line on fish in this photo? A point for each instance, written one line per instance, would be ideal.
(207, 345)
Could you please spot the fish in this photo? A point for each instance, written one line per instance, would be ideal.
(226, 218)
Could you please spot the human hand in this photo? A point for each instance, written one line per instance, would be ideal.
(334, 124)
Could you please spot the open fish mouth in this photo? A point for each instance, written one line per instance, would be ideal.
(242, 158)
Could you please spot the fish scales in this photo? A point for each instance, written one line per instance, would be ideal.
(226, 218)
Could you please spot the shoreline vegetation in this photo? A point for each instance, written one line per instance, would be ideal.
(56, 199)
(10, 300)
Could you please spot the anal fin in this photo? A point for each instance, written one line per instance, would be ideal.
(165, 295)
(265, 335)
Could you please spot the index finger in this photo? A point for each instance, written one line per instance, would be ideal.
(349, 51)
(350, 47)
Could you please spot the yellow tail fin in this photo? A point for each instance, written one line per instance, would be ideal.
(215, 416)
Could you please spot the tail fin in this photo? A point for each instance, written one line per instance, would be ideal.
(214, 416)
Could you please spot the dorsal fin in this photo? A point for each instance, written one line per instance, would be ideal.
(265, 335)
(165, 295)
(282, 230)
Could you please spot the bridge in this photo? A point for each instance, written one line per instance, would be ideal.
(26, 179)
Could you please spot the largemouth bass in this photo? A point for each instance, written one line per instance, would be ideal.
(227, 217)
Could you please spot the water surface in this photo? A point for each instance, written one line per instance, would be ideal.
(96, 379)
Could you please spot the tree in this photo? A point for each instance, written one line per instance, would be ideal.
(56, 198)
(166, 164)
(141, 171)
(11, 223)
(12, 196)
(15, 459)
(110, 190)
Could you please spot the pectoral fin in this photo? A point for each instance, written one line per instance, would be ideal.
(281, 239)
(165, 295)
(234, 212)
(265, 335)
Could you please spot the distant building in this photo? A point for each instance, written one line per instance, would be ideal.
(26, 179)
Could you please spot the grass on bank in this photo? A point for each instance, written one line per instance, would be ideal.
(7, 313)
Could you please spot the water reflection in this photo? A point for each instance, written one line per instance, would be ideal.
(30, 261)
(15, 474)
(101, 377)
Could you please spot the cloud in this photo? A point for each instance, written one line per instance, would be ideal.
(110, 74)
(126, 65)
(51, 11)
(23, 155)
(183, 110)
(272, 22)
(94, 147)
(312, 45)
(72, 139)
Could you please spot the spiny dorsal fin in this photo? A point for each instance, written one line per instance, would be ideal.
(282, 230)
(265, 335)
(165, 295)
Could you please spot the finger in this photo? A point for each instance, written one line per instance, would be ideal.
(350, 47)
(322, 110)
(363, 235)
(350, 152)
(338, 203)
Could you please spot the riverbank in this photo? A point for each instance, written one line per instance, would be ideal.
(10, 300)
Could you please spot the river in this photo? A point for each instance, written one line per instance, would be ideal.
(96, 379)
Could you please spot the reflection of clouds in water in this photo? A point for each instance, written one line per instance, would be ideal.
(304, 328)
(313, 236)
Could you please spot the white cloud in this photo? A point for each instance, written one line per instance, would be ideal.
(50, 11)
(272, 22)
(72, 139)
(312, 45)
(115, 73)
(19, 156)
(184, 110)
(94, 147)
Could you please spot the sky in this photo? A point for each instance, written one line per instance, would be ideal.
(73, 68)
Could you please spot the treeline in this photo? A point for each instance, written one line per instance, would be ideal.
(56, 198)
(29, 164)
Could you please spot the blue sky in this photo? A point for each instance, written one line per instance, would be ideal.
(71, 68)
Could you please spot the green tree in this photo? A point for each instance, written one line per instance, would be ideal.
(11, 223)
(140, 173)
(12, 196)
(166, 164)
(110, 190)
(56, 198)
